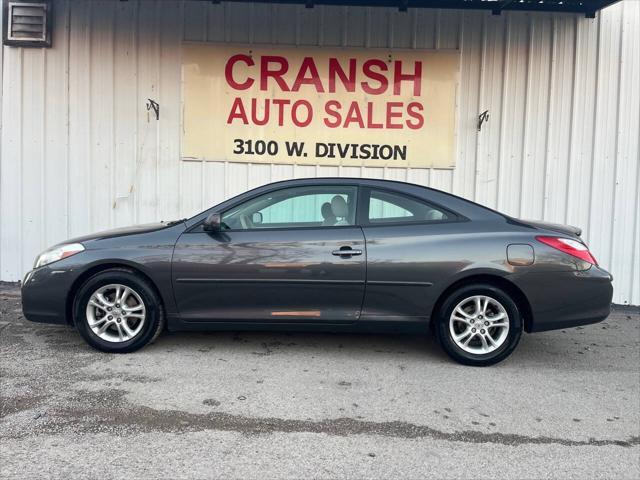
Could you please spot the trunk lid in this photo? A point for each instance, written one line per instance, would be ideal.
(555, 227)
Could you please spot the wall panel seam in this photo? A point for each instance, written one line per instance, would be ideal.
(616, 141)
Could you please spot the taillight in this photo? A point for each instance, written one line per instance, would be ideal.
(570, 247)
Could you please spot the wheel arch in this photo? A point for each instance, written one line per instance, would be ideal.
(496, 280)
(95, 269)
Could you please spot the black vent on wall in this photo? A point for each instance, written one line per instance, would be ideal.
(27, 23)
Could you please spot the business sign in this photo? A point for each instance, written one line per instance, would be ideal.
(324, 106)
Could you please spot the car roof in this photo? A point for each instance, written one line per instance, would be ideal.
(398, 185)
(348, 180)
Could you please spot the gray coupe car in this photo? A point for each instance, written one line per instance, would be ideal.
(331, 254)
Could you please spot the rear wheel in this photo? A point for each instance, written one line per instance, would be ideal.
(479, 325)
(118, 311)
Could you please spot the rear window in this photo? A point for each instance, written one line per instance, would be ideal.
(388, 207)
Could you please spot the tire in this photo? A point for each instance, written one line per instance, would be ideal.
(486, 345)
(142, 314)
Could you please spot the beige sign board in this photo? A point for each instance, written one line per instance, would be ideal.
(324, 106)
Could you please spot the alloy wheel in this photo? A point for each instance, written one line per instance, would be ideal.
(115, 313)
(479, 324)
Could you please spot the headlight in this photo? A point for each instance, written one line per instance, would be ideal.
(58, 253)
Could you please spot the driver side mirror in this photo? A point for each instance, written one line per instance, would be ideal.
(213, 223)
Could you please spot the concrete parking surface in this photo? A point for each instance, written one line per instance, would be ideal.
(301, 405)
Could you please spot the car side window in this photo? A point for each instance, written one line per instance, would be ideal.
(297, 207)
(390, 207)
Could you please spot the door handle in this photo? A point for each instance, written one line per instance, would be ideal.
(346, 252)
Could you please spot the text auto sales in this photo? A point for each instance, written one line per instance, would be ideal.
(372, 77)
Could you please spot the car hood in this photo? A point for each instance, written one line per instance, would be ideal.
(122, 231)
(555, 227)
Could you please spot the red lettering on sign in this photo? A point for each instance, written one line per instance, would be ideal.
(348, 81)
(308, 65)
(237, 111)
(280, 103)
(294, 113)
(354, 115)
(332, 108)
(393, 113)
(254, 111)
(416, 78)
(373, 75)
(228, 72)
(276, 74)
(414, 109)
(370, 122)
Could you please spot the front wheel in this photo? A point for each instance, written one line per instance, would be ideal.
(479, 325)
(118, 311)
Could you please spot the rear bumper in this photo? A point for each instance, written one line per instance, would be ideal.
(567, 299)
(44, 295)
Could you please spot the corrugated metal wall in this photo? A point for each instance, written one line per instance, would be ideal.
(79, 152)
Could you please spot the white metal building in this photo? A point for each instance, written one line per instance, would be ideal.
(80, 152)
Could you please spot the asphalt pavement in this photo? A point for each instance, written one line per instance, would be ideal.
(566, 404)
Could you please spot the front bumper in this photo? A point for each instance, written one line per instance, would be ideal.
(567, 299)
(44, 294)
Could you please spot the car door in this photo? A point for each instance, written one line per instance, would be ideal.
(289, 255)
(407, 254)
